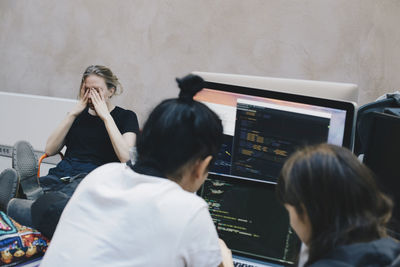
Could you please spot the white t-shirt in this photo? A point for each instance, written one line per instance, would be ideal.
(117, 217)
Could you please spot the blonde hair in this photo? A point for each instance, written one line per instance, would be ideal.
(110, 79)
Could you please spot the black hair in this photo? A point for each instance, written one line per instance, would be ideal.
(179, 131)
(338, 194)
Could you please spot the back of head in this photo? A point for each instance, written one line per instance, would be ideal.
(339, 195)
(179, 131)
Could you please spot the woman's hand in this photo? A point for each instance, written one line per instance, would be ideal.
(82, 103)
(56, 140)
(99, 103)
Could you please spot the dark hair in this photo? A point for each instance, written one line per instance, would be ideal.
(179, 131)
(109, 78)
(339, 195)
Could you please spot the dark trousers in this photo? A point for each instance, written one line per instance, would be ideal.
(44, 213)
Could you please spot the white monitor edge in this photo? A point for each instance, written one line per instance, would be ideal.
(347, 92)
(329, 90)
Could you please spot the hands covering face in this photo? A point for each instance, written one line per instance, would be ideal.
(94, 94)
(98, 101)
(82, 103)
(91, 94)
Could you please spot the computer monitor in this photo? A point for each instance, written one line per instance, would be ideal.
(249, 218)
(328, 90)
(263, 127)
(382, 156)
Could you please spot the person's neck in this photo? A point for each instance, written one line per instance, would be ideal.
(186, 183)
(93, 112)
(148, 167)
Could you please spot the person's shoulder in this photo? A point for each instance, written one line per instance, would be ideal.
(120, 110)
(113, 169)
(125, 119)
(380, 252)
(191, 200)
(175, 195)
(124, 114)
(112, 166)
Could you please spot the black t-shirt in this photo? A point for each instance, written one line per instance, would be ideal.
(88, 140)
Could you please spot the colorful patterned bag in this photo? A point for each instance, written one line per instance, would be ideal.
(19, 243)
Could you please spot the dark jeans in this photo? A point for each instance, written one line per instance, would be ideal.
(58, 187)
(44, 213)
(46, 210)
(70, 167)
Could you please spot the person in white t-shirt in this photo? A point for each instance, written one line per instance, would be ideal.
(147, 213)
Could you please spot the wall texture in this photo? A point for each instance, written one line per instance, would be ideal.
(45, 45)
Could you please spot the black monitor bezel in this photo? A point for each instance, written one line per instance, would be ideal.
(349, 107)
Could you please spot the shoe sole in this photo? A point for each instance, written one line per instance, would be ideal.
(25, 162)
(9, 182)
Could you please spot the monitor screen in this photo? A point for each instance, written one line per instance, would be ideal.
(262, 128)
(382, 156)
(249, 218)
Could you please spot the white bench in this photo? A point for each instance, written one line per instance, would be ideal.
(31, 118)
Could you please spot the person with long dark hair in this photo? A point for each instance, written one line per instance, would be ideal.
(146, 213)
(336, 208)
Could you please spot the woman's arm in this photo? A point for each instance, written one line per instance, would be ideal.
(120, 142)
(226, 255)
(56, 140)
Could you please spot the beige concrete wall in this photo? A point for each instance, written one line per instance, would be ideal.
(45, 45)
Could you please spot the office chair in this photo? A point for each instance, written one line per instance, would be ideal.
(42, 158)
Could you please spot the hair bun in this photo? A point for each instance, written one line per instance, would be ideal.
(189, 85)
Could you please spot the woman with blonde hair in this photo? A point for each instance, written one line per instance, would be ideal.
(94, 132)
